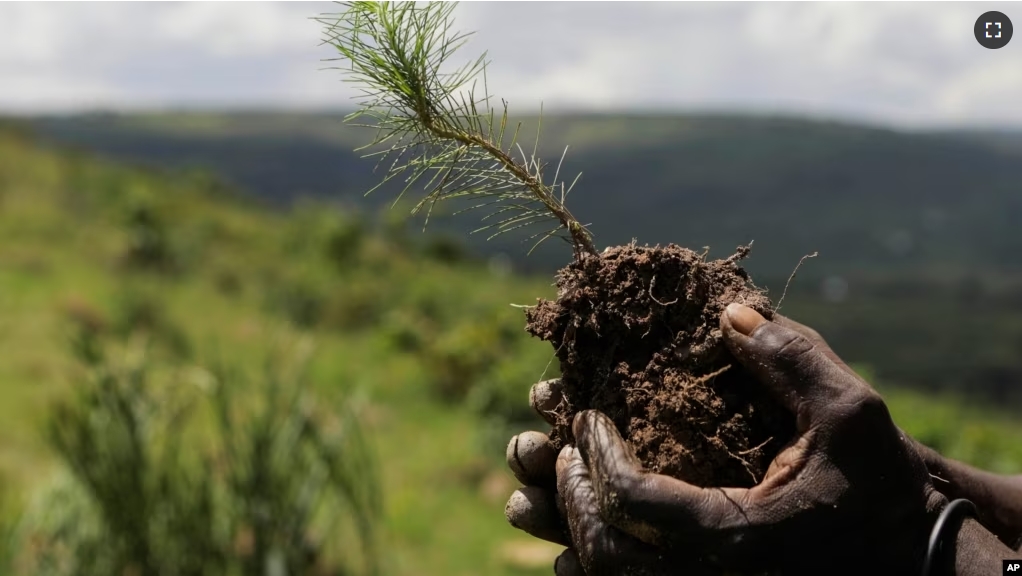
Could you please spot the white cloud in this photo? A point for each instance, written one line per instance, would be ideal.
(913, 64)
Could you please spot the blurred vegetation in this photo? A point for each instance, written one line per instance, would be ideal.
(264, 493)
(905, 223)
(95, 256)
(415, 327)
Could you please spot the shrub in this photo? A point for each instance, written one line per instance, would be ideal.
(406, 331)
(359, 303)
(141, 311)
(7, 527)
(344, 242)
(486, 361)
(287, 466)
(299, 301)
(88, 326)
(149, 247)
(457, 358)
(501, 391)
(446, 249)
(228, 282)
(262, 494)
(154, 512)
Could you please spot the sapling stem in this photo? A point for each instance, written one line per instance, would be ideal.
(435, 127)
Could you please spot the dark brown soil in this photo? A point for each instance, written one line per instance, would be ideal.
(637, 334)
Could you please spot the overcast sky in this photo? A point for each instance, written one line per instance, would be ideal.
(907, 64)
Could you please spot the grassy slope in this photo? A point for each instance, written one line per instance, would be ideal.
(63, 233)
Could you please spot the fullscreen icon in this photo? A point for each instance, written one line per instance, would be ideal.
(993, 30)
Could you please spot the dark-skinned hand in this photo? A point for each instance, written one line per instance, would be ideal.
(850, 492)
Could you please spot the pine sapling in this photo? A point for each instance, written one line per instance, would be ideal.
(635, 328)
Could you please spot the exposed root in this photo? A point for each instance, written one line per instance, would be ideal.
(652, 283)
(792, 277)
(751, 450)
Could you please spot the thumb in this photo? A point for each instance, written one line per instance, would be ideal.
(797, 372)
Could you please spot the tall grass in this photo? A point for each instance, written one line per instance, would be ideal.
(182, 471)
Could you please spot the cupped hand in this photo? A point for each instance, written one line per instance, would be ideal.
(850, 490)
(548, 507)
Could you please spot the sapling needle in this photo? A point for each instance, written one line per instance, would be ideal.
(434, 127)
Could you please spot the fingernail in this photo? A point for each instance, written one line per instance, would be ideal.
(579, 422)
(531, 457)
(512, 457)
(743, 319)
(545, 396)
(519, 509)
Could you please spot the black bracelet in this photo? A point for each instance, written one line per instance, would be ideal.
(951, 516)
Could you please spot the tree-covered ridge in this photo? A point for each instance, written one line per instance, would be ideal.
(863, 196)
(905, 223)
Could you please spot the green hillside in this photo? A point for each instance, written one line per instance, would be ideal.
(906, 223)
(424, 335)
(433, 345)
(865, 197)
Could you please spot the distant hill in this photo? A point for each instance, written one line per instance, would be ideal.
(862, 197)
(915, 231)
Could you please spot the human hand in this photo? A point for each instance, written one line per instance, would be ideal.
(539, 509)
(849, 490)
(850, 484)
(998, 498)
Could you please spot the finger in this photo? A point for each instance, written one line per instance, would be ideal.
(817, 340)
(933, 460)
(568, 564)
(651, 507)
(795, 370)
(813, 336)
(531, 458)
(533, 510)
(575, 488)
(600, 548)
(544, 397)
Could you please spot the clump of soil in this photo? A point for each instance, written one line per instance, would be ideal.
(637, 333)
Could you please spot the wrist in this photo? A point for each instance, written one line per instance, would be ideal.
(969, 549)
(997, 498)
(942, 547)
(977, 551)
(936, 503)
